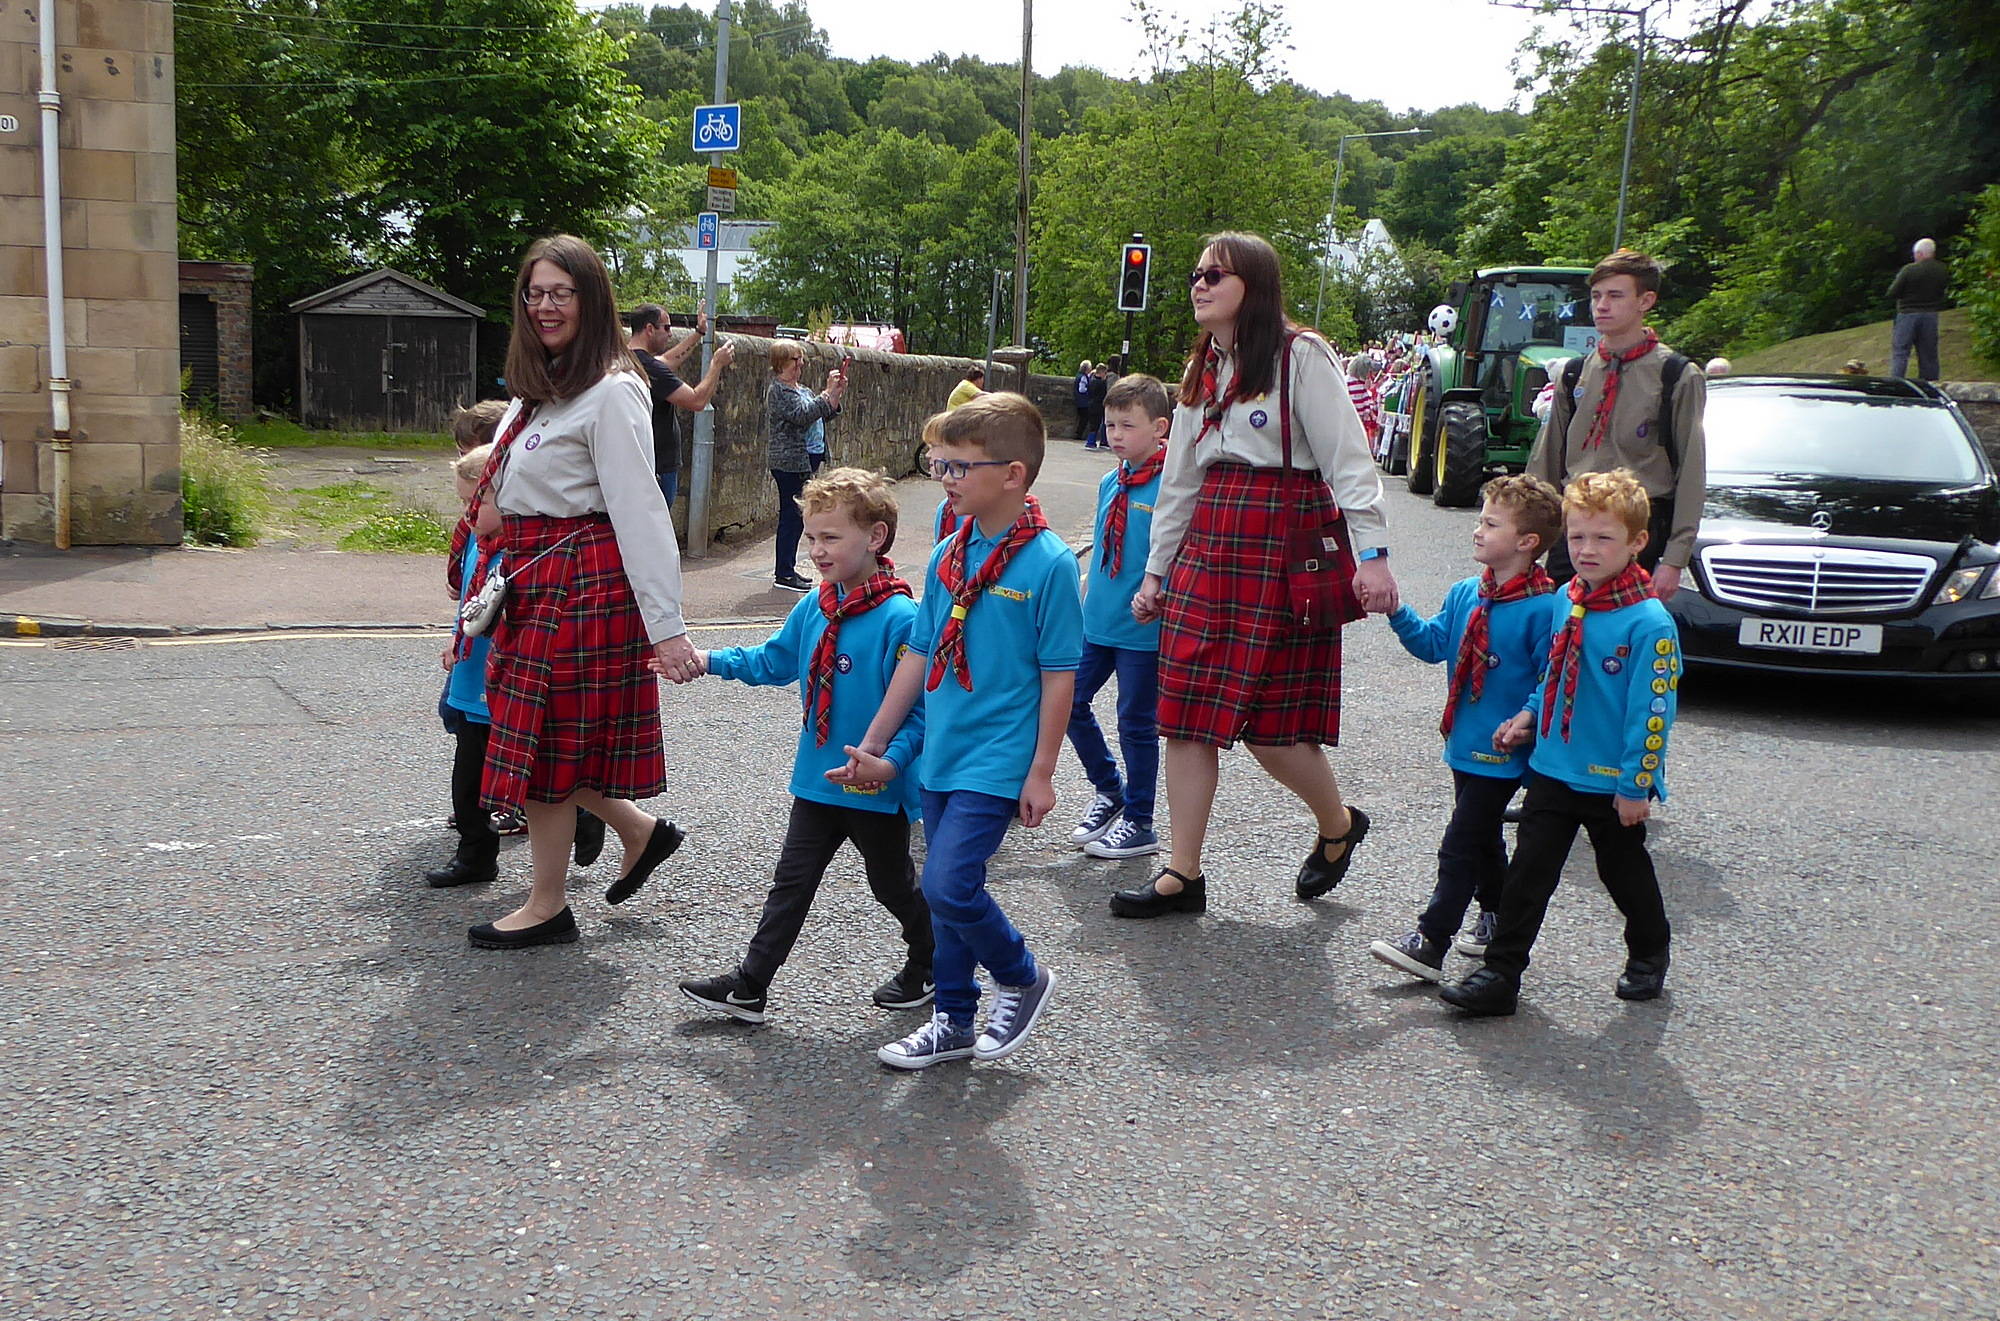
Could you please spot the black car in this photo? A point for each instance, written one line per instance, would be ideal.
(1850, 529)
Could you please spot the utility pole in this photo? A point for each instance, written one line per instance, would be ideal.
(1631, 125)
(1333, 207)
(701, 485)
(993, 322)
(1021, 197)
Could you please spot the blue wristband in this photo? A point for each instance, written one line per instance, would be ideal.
(1373, 553)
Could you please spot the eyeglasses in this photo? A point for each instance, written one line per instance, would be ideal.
(958, 470)
(1210, 276)
(561, 295)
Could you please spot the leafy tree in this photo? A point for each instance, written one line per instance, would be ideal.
(1434, 183)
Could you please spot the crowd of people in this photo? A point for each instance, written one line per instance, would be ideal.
(1242, 528)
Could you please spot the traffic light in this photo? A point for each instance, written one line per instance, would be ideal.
(1133, 268)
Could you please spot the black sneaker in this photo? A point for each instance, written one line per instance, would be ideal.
(1644, 979)
(1414, 953)
(792, 582)
(1484, 994)
(728, 994)
(909, 989)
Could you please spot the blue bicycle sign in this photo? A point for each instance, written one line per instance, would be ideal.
(718, 127)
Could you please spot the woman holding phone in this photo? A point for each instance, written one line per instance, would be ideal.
(790, 410)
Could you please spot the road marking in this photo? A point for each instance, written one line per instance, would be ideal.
(324, 634)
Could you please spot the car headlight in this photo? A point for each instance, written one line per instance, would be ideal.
(1960, 585)
(1992, 588)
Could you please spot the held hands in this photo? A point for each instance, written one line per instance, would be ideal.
(1375, 586)
(1515, 733)
(1038, 799)
(677, 659)
(1631, 811)
(865, 766)
(659, 667)
(1146, 601)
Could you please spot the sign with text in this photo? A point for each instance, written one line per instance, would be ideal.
(722, 199)
(721, 176)
(708, 231)
(718, 127)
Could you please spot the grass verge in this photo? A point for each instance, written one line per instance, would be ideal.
(225, 487)
(279, 433)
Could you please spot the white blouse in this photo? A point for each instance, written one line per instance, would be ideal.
(1326, 434)
(592, 454)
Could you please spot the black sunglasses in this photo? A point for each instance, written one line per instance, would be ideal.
(1211, 276)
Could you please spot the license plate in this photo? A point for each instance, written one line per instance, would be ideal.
(1803, 635)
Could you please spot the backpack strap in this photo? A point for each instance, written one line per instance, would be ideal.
(1670, 376)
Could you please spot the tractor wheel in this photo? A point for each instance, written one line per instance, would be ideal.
(1461, 455)
(1421, 470)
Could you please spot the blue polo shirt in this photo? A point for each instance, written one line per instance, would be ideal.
(1107, 606)
(1518, 635)
(465, 690)
(1029, 621)
(1626, 696)
(870, 645)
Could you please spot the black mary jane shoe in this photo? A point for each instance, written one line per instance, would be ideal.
(1644, 979)
(1484, 994)
(461, 871)
(1317, 875)
(665, 839)
(589, 837)
(1147, 901)
(558, 930)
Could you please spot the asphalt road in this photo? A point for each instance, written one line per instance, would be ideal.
(254, 1071)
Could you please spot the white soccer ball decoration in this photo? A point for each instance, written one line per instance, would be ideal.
(1444, 319)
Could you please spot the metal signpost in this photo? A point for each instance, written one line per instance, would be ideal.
(717, 129)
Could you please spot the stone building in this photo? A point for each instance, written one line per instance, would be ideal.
(120, 311)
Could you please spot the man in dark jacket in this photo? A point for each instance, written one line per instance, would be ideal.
(651, 340)
(1919, 291)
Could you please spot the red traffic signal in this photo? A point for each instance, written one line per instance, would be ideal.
(1133, 270)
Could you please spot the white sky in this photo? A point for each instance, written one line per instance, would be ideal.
(1408, 54)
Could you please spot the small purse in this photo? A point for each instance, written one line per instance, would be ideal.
(483, 607)
(1319, 561)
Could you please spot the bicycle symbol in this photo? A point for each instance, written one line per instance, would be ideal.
(715, 128)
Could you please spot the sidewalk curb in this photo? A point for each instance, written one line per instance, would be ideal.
(66, 626)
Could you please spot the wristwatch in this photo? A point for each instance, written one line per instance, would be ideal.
(1373, 553)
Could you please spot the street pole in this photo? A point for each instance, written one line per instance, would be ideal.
(702, 480)
(1021, 197)
(993, 321)
(1333, 207)
(1631, 125)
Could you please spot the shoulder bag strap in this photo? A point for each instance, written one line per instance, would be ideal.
(1670, 377)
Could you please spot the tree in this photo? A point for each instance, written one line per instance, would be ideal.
(1434, 183)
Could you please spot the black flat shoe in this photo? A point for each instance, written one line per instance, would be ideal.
(666, 838)
(1317, 875)
(1484, 994)
(1146, 901)
(558, 930)
(1644, 979)
(460, 872)
(589, 837)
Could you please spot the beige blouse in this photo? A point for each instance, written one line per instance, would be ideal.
(591, 454)
(1326, 434)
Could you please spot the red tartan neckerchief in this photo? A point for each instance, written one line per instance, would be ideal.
(947, 521)
(1214, 405)
(1468, 673)
(1114, 517)
(950, 651)
(454, 565)
(1614, 374)
(878, 587)
(1630, 587)
(461, 645)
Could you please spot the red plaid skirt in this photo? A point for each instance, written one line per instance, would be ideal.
(1233, 664)
(573, 704)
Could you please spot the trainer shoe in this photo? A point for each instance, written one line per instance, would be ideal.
(1012, 1018)
(1097, 822)
(935, 1042)
(1644, 979)
(1472, 944)
(1413, 952)
(509, 823)
(1484, 994)
(909, 989)
(731, 994)
(1127, 839)
(792, 582)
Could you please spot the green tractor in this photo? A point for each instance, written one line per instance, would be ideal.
(1469, 402)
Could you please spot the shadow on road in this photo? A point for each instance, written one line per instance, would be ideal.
(1846, 712)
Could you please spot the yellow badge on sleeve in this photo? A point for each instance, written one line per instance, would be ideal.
(1659, 685)
(1650, 762)
(1654, 743)
(1663, 646)
(1643, 780)
(1655, 724)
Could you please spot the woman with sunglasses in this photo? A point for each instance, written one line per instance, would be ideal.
(594, 591)
(1234, 666)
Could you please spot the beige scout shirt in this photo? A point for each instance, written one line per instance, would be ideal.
(1630, 442)
(592, 454)
(1326, 434)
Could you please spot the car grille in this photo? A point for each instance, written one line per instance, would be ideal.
(1824, 580)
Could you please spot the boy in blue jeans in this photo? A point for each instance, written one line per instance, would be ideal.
(993, 658)
(840, 645)
(1493, 635)
(1119, 823)
(1603, 712)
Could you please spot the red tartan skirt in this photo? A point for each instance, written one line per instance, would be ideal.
(1233, 664)
(573, 704)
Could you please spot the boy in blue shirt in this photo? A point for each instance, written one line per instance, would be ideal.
(840, 645)
(463, 705)
(1600, 723)
(993, 659)
(1119, 824)
(1493, 635)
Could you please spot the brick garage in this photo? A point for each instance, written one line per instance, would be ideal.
(116, 140)
(215, 333)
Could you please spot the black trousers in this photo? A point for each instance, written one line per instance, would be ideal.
(477, 840)
(1472, 857)
(1550, 815)
(814, 834)
(1658, 528)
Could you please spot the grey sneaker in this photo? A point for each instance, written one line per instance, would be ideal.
(1472, 944)
(1126, 839)
(1097, 822)
(1012, 1018)
(1414, 953)
(933, 1043)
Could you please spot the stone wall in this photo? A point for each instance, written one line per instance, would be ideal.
(1979, 401)
(122, 300)
(226, 284)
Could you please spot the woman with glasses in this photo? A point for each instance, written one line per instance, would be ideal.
(790, 412)
(594, 591)
(1234, 665)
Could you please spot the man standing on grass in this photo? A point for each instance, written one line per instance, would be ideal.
(1919, 291)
